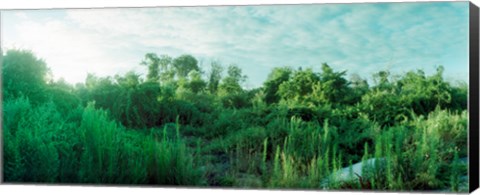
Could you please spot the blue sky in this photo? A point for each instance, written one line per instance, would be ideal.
(359, 38)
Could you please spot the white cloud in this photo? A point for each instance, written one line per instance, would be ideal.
(70, 52)
(359, 38)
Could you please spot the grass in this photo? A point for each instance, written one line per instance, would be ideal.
(42, 146)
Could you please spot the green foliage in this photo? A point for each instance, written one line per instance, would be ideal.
(299, 87)
(231, 93)
(170, 162)
(44, 147)
(184, 64)
(142, 106)
(196, 83)
(383, 107)
(359, 87)
(459, 94)
(179, 126)
(273, 82)
(63, 98)
(214, 77)
(152, 61)
(34, 135)
(103, 90)
(23, 74)
(130, 81)
(423, 93)
(13, 159)
(127, 157)
(418, 155)
(332, 88)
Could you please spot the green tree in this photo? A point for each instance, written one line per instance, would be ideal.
(382, 81)
(232, 82)
(23, 74)
(131, 80)
(152, 61)
(333, 87)
(103, 91)
(231, 92)
(62, 95)
(459, 93)
(424, 93)
(184, 64)
(167, 71)
(214, 77)
(142, 106)
(196, 83)
(300, 86)
(274, 80)
(360, 87)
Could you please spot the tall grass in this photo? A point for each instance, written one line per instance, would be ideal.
(420, 154)
(307, 158)
(170, 162)
(41, 146)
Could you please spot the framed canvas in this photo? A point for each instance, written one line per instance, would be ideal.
(371, 97)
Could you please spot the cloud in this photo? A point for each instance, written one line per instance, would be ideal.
(360, 38)
(70, 52)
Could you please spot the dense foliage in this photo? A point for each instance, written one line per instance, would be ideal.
(179, 125)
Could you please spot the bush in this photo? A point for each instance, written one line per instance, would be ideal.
(419, 156)
(30, 150)
(129, 158)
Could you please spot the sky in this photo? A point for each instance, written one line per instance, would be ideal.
(359, 38)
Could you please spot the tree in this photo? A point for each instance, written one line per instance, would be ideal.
(300, 86)
(196, 83)
(381, 80)
(235, 74)
(459, 96)
(231, 83)
(142, 106)
(152, 61)
(24, 74)
(359, 86)
(333, 88)
(214, 77)
(384, 107)
(231, 91)
(441, 90)
(184, 64)
(423, 94)
(190, 87)
(167, 72)
(130, 80)
(62, 95)
(274, 80)
(103, 90)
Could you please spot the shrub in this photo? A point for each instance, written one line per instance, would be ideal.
(30, 150)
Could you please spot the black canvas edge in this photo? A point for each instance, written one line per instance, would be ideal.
(473, 102)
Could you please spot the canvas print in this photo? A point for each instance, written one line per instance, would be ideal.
(369, 96)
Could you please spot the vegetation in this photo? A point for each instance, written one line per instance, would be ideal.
(179, 125)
